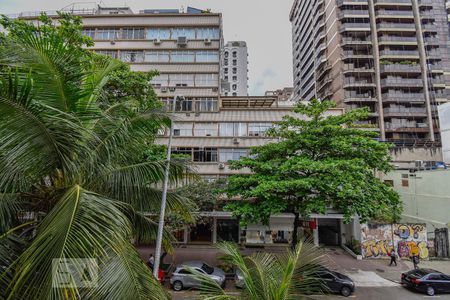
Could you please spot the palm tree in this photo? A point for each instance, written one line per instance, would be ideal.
(73, 181)
(268, 276)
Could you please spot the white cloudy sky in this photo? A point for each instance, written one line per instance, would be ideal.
(263, 24)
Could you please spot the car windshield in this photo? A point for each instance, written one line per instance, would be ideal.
(339, 275)
(207, 269)
(418, 273)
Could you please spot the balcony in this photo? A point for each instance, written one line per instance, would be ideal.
(393, 2)
(351, 2)
(404, 112)
(394, 13)
(401, 82)
(355, 27)
(402, 40)
(404, 54)
(350, 68)
(357, 82)
(348, 54)
(349, 13)
(400, 68)
(352, 98)
(429, 27)
(353, 41)
(403, 97)
(396, 26)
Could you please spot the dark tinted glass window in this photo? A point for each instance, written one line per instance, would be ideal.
(184, 271)
(207, 269)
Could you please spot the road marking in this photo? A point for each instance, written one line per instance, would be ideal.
(369, 279)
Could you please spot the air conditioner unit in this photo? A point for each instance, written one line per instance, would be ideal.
(113, 42)
(207, 41)
(197, 114)
(172, 89)
(214, 89)
(182, 41)
(157, 41)
(164, 90)
(221, 166)
(235, 141)
(188, 114)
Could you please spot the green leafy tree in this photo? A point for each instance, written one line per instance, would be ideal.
(318, 162)
(269, 276)
(74, 177)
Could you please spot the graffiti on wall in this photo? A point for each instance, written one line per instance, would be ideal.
(378, 240)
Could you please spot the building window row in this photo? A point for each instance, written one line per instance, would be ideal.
(192, 104)
(140, 33)
(188, 80)
(163, 56)
(224, 129)
(209, 154)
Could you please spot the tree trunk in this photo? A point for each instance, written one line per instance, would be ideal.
(294, 233)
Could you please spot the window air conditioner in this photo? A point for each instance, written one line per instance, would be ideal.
(113, 42)
(157, 41)
(419, 164)
(164, 89)
(235, 141)
(182, 41)
(207, 41)
(172, 89)
(221, 166)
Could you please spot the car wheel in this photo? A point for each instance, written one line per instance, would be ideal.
(430, 291)
(177, 286)
(345, 291)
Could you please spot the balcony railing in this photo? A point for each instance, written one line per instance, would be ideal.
(400, 68)
(407, 82)
(387, 38)
(403, 26)
(383, 12)
(400, 52)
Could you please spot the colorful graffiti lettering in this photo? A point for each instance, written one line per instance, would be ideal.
(373, 248)
(406, 231)
(407, 249)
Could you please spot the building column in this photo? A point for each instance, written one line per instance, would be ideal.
(186, 234)
(356, 229)
(214, 232)
(316, 233)
(423, 65)
(343, 233)
(376, 65)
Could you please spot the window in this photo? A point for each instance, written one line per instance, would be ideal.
(226, 155)
(185, 105)
(234, 54)
(158, 33)
(233, 129)
(182, 129)
(389, 182)
(107, 34)
(207, 56)
(226, 54)
(110, 53)
(234, 62)
(234, 70)
(89, 32)
(186, 32)
(226, 78)
(206, 104)
(405, 180)
(258, 129)
(208, 33)
(205, 154)
(160, 80)
(181, 79)
(205, 129)
(225, 70)
(234, 78)
(234, 87)
(157, 56)
(132, 56)
(182, 56)
(206, 80)
(182, 151)
(234, 94)
(225, 61)
(185, 272)
(133, 33)
(207, 269)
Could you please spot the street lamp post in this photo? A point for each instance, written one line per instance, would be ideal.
(164, 194)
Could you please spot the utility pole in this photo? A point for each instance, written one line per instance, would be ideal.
(164, 194)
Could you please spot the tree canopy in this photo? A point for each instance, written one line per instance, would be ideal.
(75, 178)
(318, 162)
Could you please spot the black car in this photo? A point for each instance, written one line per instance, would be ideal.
(427, 281)
(337, 282)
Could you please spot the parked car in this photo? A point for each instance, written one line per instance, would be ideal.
(182, 277)
(336, 282)
(239, 279)
(427, 281)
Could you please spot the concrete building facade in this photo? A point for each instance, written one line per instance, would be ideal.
(391, 57)
(235, 69)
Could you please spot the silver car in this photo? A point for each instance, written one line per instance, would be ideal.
(182, 277)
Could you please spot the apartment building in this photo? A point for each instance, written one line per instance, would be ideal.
(235, 69)
(389, 56)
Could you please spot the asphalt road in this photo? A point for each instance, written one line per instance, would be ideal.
(365, 293)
